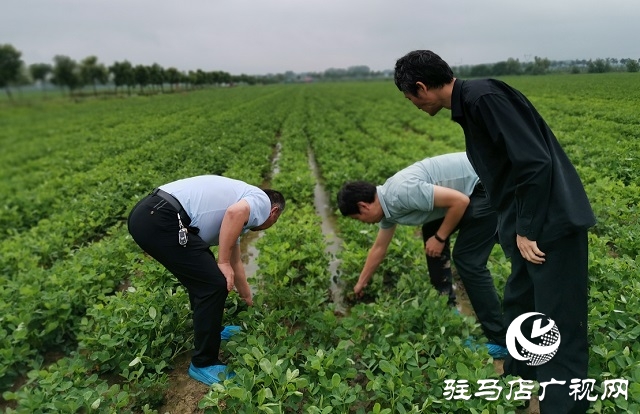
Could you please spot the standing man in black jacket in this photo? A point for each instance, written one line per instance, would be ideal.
(543, 211)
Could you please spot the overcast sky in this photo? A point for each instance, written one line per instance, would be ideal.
(273, 36)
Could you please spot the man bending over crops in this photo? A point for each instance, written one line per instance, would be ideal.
(542, 206)
(443, 195)
(177, 223)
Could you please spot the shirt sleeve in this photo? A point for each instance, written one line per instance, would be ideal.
(513, 124)
(259, 208)
(417, 195)
(386, 224)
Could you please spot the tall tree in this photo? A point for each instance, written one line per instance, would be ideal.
(93, 73)
(157, 75)
(141, 75)
(39, 73)
(540, 66)
(632, 65)
(66, 73)
(173, 77)
(10, 65)
(598, 66)
(122, 75)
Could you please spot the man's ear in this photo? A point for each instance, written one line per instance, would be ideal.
(362, 206)
(421, 87)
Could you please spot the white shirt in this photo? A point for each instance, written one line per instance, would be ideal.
(206, 198)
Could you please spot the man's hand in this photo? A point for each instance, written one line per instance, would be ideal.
(433, 248)
(529, 250)
(228, 273)
(358, 289)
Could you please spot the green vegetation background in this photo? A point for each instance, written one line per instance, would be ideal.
(88, 323)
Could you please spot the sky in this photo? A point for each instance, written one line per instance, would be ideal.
(259, 37)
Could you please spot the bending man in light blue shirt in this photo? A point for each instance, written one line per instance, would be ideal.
(178, 223)
(443, 195)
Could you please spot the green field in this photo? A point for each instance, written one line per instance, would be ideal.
(90, 324)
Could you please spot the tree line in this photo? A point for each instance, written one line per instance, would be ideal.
(73, 76)
(542, 66)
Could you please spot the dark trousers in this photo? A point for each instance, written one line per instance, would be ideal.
(558, 289)
(153, 223)
(477, 234)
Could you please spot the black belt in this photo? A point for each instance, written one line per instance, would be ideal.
(173, 202)
(168, 198)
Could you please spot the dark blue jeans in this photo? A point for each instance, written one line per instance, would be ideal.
(477, 234)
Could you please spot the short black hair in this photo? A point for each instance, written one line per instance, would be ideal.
(276, 197)
(354, 192)
(421, 66)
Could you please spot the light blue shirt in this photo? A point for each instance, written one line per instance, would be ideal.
(206, 198)
(407, 197)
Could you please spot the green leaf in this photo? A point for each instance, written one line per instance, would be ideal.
(462, 370)
(386, 366)
(237, 392)
(335, 380)
(292, 374)
(266, 366)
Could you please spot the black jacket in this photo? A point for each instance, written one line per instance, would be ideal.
(520, 162)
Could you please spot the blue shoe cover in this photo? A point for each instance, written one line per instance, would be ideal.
(229, 331)
(495, 351)
(211, 374)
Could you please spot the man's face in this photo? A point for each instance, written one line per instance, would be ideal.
(425, 100)
(368, 213)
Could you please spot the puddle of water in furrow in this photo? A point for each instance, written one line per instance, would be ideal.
(333, 242)
(248, 250)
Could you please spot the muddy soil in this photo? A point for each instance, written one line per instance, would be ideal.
(184, 393)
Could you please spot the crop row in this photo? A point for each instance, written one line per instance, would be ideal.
(611, 186)
(296, 354)
(63, 264)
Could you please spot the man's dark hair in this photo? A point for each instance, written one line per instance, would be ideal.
(276, 197)
(352, 193)
(421, 66)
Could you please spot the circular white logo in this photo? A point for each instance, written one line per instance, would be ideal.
(537, 348)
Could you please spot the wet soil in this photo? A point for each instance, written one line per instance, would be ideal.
(184, 393)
